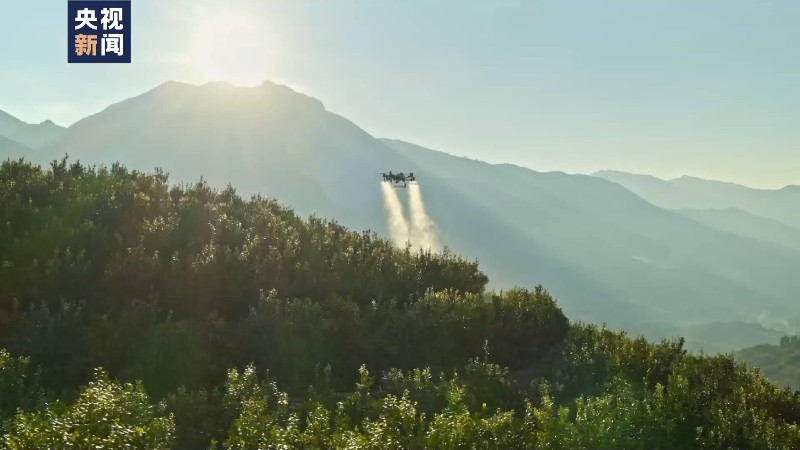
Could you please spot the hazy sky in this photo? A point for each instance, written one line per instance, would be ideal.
(708, 88)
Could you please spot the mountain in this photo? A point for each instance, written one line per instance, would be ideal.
(37, 135)
(696, 193)
(30, 135)
(606, 253)
(267, 139)
(780, 363)
(743, 223)
(9, 123)
(12, 149)
(273, 140)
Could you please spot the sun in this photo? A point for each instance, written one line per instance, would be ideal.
(231, 45)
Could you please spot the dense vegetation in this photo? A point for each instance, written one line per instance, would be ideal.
(138, 315)
(780, 363)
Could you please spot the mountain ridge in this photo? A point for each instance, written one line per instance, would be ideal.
(28, 134)
(697, 193)
(612, 172)
(8, 122)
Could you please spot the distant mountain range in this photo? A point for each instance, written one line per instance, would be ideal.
(27, 134)
(782, 205)
(743, 223)
(616, 248)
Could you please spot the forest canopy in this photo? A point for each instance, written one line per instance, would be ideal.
(138, 314)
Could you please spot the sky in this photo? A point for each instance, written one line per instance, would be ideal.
(666, 87)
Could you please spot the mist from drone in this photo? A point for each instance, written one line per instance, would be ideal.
(420, 230)
(398, 225)
(423, 229)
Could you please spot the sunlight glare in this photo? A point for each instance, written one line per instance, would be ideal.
(230, 45)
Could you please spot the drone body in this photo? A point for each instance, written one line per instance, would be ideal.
(397, 178)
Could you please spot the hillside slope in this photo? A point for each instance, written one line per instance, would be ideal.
(138, 314)
(609, 255)
(272, 140)
(780, 363)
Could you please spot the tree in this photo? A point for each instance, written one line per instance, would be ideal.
(106, 414)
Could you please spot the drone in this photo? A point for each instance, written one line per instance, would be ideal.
(397, 178)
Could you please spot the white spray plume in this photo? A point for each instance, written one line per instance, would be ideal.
(767, 321)
(398, 226)
(423, 229)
